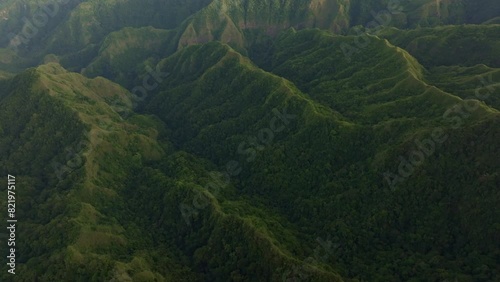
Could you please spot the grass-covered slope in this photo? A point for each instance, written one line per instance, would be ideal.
(324, 172)
(274, 153)
(426, 13)
(74, 30)
(101, 201)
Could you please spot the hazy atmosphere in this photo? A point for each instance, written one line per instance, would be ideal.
(250, 140)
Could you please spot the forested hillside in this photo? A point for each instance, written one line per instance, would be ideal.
(225, 140)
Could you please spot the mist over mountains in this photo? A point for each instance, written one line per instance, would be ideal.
(224, 140)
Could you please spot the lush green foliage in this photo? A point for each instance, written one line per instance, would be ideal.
(274, 143)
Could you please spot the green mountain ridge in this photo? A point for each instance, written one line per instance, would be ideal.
(314, 120)
(78, 28)
(234, 140)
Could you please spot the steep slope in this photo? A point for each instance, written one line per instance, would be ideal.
(236, 22)
(54, 147)
(123, 54)
(74, 30)
(101, 208)
(330, 171)
(70, 229)
(480, 82)
(226, 20)
(425, 13)
(276, 152)
(431, 46)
